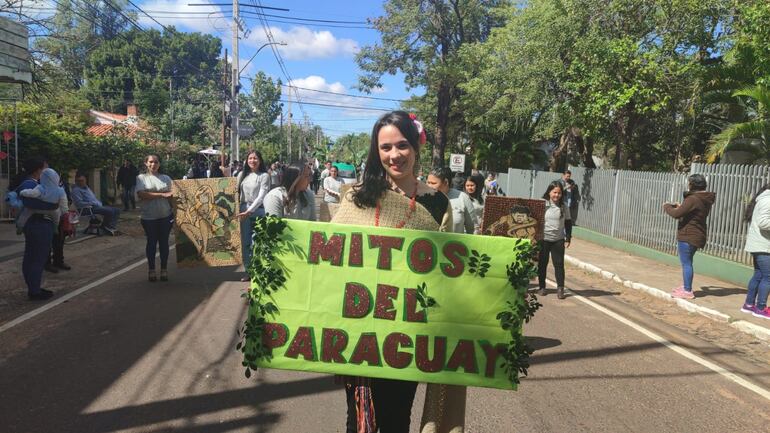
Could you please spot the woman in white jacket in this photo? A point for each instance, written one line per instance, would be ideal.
(758, 244)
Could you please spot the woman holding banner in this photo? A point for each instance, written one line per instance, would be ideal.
(390, 195)
(253, 185)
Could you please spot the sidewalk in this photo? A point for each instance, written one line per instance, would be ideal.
(718, 300)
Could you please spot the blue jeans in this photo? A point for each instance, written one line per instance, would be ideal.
(686, 253)
(247, 230)
(109, 213)
(157, 232)
(38, 235)
(759, 284)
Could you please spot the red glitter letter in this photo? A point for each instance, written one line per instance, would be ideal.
(330, 251)
(274, 335)
(410, 307)
(383, 305)
(463, 356)
(367, 350)
(385, 244)
(390, 352)
(492, 353)
(453, 251)
(302, 344)
(439, 354)
(422, 256)
(358, 301)
(333, 342)
(356, 256)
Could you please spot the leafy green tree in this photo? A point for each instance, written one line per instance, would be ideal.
(351, 148)
(421, 38)
(77, 28)
(753, 135)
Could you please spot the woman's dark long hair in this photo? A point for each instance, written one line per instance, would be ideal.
(477, 180)
(374, 184)
(750, 207)
(247, 170)
(291, 176)
(547, 195)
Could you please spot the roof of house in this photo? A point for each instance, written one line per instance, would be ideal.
(104, 123)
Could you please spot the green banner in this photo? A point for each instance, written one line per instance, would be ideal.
(388, 303)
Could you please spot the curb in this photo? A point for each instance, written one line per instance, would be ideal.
(757, 331)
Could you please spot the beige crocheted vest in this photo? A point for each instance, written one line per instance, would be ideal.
(394, 208)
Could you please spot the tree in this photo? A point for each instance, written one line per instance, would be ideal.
(260, 109)
(421, 38)
(351, 148)
(77, 28)
(751, 136)
(624, 73)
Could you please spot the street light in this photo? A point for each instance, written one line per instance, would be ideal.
(260, 49)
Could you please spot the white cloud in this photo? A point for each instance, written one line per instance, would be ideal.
(212, 23)
(303, 43)
(305, 87)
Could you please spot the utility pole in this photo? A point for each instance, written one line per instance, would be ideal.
(171, 96)
(234, 110)
(289, 120)
(224, 106)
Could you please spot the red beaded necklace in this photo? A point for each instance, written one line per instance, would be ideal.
(407, 215)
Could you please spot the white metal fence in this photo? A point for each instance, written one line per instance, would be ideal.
(628, 204)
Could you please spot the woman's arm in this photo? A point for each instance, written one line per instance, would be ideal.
(681, 210)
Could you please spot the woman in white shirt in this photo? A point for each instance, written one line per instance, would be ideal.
(332, 186)
(253, 185)
(155, 190)
(293, 199)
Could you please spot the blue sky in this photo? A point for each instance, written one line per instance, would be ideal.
(316, 57)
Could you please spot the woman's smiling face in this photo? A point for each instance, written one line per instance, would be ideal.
(396, 154)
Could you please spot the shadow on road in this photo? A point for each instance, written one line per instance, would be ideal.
(55, 367)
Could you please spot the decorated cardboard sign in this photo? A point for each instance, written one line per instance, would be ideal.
(388, 303)
(513, 217)
(207, 231)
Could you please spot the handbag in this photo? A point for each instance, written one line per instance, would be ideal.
(68, 221)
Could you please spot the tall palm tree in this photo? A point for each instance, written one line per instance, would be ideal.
(752, 136)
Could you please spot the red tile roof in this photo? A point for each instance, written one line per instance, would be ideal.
(103, 129)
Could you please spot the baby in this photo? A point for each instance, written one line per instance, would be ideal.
(49, 191)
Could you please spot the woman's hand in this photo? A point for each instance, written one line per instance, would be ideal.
(566, 244)
(168, 194)
(243, 215)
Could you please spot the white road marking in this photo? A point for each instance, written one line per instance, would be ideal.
(673, 346)
(59, 300)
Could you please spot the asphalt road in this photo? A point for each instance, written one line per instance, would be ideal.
(133, 356)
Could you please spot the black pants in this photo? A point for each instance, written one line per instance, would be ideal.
(392, 405)
(556, 251)
(157, 232)
(57, 248)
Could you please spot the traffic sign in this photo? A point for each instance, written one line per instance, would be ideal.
(457, 162)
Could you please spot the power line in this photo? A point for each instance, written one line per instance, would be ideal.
(230, 5)
(348, 107)
(345, 94)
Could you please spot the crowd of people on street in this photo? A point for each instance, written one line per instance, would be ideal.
(389, 193)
